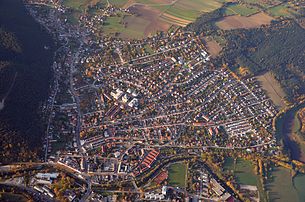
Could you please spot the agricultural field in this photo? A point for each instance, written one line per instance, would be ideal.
(118, 3)
(238, 22)
(243, 171)
(151, 16)
(281, 180)
(212, 46)
(79, 5)
(280, 11)
(177, 174)
(184, 12)
(240, 9)
(273, 89)
(262, 3)
(299, 184)
(119, 25)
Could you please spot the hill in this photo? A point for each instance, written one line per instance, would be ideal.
(25, 75)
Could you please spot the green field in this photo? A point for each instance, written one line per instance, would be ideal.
(79, 5)
(190, 10)
(243, 171)
(239, 9)
(115, 24)
(280, 11)
(299, 183)
(118, 3)
(280, 187)
(262, 3)
(177, 174)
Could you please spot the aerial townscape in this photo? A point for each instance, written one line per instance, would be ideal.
(153, 100)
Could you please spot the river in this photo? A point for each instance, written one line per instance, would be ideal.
(285, 130)
(22, 111)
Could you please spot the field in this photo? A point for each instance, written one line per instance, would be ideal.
(115, 25)
(243, 171)
(299, 183)
(79, 5)
(177, 174)
(184, 12)
(244, 174)
(238, 22)
(118, 3)
(148, 16)
(151, 16)
(213, 47)
(280, 11)
(239, 9)
(280, 187)
(273, 89)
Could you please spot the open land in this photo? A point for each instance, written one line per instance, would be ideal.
(240, 9)
(238, 22)
(273, 89)
(281, 180)
(213, 47)
(242, 169)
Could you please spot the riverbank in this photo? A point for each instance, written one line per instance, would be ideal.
(285, 132)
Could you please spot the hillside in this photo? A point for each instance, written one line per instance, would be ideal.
(277, 47)
(25, 75)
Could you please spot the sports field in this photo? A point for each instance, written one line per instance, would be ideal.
(177, 174)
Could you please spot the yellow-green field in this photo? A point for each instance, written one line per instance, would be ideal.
(184, 12)
(80, 5)
(239, 9)
(280, 11)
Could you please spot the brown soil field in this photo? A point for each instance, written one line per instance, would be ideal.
(175, 20)
(273, 89)
(213, 47)
(237, 22)
(152, 16)
(131, 3)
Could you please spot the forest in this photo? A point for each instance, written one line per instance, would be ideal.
(278, 47)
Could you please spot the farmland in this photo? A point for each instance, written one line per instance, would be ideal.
(243, 171)
(213, 47)
(240, 9)
(238, 22)
(150, 16)
(281, 180)
(184, 12)
(280, 11)
(79, 5)
(273, 89)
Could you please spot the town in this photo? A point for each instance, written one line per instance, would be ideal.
(124, 114)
